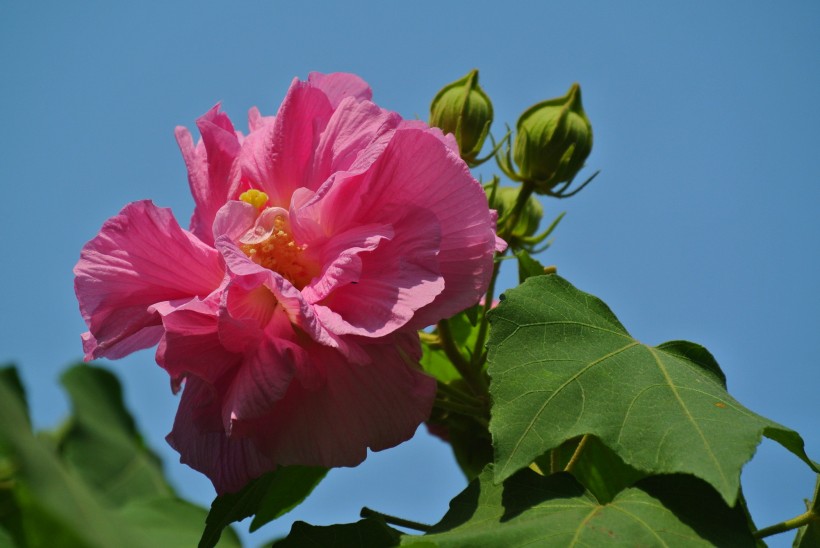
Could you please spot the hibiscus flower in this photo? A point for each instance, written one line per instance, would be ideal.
(288, 312)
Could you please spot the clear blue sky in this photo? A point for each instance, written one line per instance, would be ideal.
(703, 224)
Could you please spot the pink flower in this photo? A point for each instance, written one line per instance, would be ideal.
(319, 244)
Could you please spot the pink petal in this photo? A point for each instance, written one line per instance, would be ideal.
(339, 85)
(201, 441)
(246, 279)
(140, 258)
(191, 343)
(256, 120)
(213, 173)
(263, 378)
(277, 158)
(418, 181)
(377, 405)
(354, 126)
(387, 283)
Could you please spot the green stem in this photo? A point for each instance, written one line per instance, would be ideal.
(788, 525)
(393, 520)
(479, 355)
(471, 376)
(458, 395)
(527, 188)
(576, 456)
(476, 413)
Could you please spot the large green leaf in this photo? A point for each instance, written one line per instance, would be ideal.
(102, 443)
(366, 533)
(561, 365)
(266, 497)
(54, 507)
(45, 502)
(532, 510)
(170, 521)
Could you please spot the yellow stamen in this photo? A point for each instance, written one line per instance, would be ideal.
(280, 253)
(256, 198)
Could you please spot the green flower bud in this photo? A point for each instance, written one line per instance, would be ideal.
(463, 109)
(553, 141)
(530, 217)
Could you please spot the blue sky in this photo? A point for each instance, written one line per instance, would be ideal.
(703, 224)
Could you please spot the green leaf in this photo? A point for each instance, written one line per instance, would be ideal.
(44, 502)
(11, 379)
(464, 327)
(598, 468)
(102, 443)
(267, 497)
(527, 266)
(171, 522)
(533, 510)
(562, 365)
(365, 533)
(55, 508)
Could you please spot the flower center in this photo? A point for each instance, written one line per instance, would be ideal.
(270, 243)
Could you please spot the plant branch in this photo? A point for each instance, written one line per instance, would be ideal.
(471, 376)
(393, 520)
(461, 409)
(458, 395)
(478, 351)
(788, 525)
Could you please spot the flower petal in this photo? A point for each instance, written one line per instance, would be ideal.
(191, 343)
(339, 85)
(377, 405)
(277, 158)
(388, 283)
(140, 258)
(417, 181)
(200, 439)
(354, 126)
(213, 173)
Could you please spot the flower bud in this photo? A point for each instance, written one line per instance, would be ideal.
(530, 217)
(554, 139)
(463, 109)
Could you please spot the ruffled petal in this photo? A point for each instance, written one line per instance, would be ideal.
(263, 378)
(417, 181)
(140, 258)
(199, 437)
(191, 343)
(277, 157)
(339, 85)
(242, 294)
(213, 173)
(354, 126)
(377, 405)
(387, 283)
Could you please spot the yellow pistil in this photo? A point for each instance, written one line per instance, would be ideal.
(280, 253)
(256, 198)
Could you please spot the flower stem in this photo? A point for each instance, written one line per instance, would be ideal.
(524, 194)
(479, 355)
(393, 520)
(576, 456)
(789, 524)
(458, 395)
(472, 377)
(460, 408)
